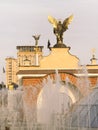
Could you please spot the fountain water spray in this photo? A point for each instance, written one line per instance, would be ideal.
(51, 107)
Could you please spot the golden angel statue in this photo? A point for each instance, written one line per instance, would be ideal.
(60, 27)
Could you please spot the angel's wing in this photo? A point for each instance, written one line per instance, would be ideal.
(67, 21)
(53, 21)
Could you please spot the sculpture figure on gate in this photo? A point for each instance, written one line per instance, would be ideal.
(60, 27)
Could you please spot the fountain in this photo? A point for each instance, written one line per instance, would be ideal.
(57, 107)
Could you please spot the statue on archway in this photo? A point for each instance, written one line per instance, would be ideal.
(60, 27)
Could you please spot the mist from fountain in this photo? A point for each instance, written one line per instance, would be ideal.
(50, 109)
(53, 99)
(84, 114)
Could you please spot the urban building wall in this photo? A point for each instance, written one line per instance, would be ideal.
(11, 70)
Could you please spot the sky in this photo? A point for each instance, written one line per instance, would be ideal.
(20, 19)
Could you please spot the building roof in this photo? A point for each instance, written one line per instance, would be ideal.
(45, 71)
(49, 71)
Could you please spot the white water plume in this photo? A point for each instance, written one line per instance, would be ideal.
(27, 109)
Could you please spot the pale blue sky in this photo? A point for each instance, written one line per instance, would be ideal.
(20, 19)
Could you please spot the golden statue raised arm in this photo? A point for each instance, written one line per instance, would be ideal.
(60, 27)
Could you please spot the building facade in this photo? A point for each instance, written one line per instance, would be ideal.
(26, 57)
(11, 70)
(31, 67)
